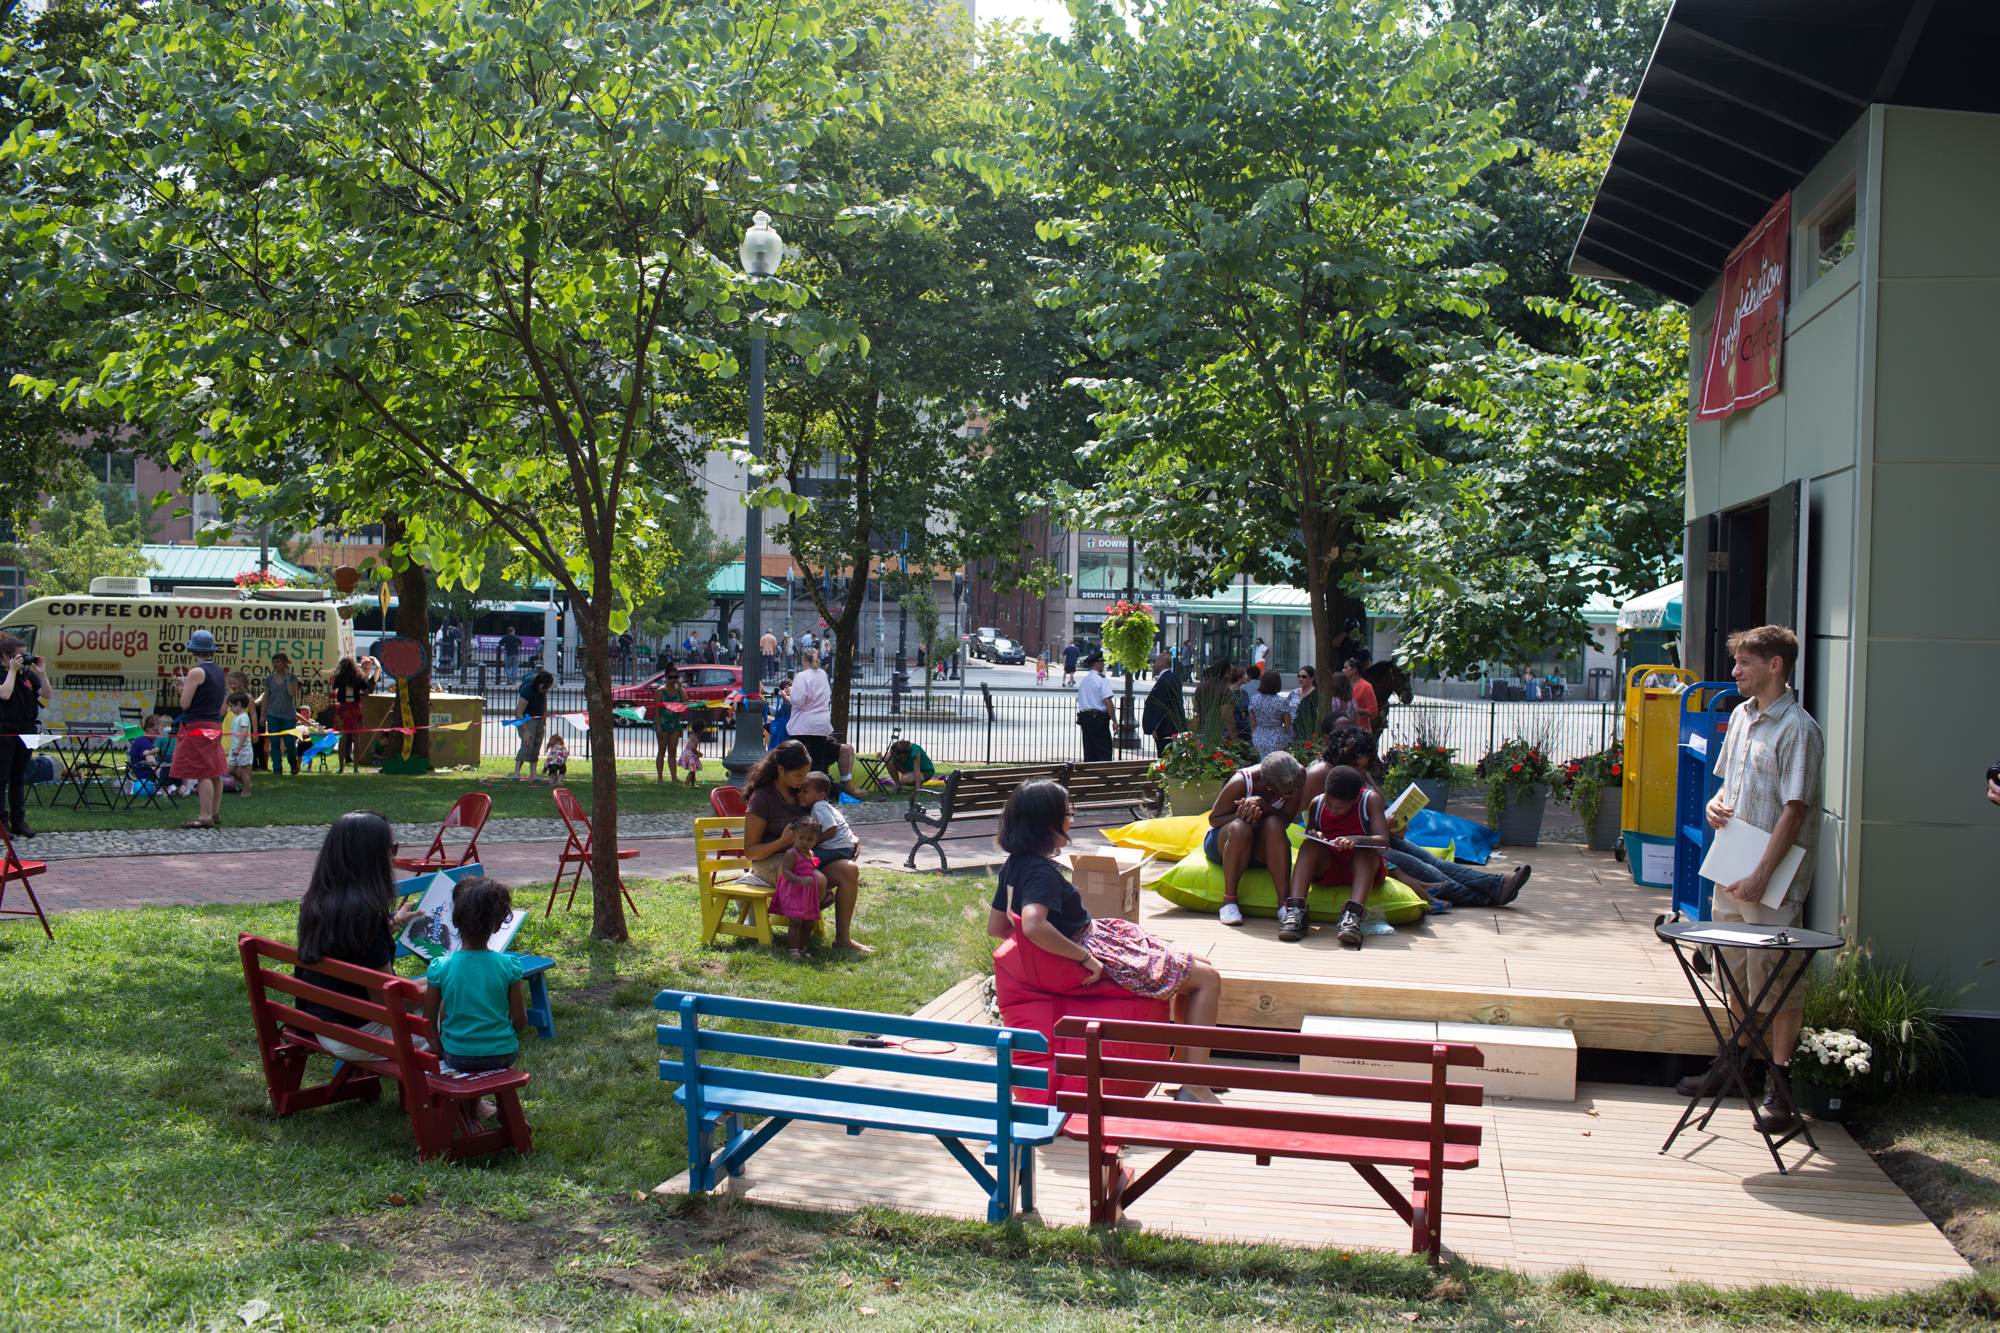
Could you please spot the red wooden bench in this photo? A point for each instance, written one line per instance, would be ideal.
(1107, 1123)
(440, 1105)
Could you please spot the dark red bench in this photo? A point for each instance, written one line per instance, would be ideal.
(1108, 1123)
(440, 1105)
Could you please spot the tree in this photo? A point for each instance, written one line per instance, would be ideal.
(73, 544)
(681, 593)
(1574, 487)
(458, 261)
(1268, 192)
(877, 460)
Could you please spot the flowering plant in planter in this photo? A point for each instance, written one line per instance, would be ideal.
(1832, 1057)
(1128, 634)
(1188, 758)
(1580, 783)
(1517, 763)
(259, 578)
(1414, 762)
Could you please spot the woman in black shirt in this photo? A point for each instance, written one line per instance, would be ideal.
(1033, 828)
(24, 690)
(349, 914)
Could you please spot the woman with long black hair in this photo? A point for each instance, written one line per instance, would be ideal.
(349, 914)
(777, 795)
(1033, 828)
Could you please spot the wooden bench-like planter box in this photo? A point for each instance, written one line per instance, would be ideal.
(1124, 786)
(1107, 1122)
(718, 1095)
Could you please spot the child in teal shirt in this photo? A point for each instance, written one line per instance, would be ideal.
(477, 1003)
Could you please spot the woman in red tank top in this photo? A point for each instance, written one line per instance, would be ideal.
(1350, 828)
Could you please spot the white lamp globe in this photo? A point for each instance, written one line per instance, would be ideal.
(763, 250)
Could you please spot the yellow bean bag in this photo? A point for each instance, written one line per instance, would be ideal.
(1444, 853)
(1196, 884)
(1172, 837)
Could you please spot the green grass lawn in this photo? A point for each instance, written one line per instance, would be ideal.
(320, 798)
(146, 1184)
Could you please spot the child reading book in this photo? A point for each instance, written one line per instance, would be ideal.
(800, 884)
(555, 760)
(476, 1001)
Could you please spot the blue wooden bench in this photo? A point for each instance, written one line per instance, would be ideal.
(722, 1094)
(534, 967)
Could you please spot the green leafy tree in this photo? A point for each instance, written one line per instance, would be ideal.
(681, 592)
(1268, 193)
(72, 544)
(454, 262)
(932, 450)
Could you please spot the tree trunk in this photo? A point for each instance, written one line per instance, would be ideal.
(846, 634)
(607, 905)
(413, 621)
(861, 447)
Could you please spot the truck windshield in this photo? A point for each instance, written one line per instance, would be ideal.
(26, 634)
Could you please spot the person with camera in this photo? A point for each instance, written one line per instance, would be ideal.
(24, 692)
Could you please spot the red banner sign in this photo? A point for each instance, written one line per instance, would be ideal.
(1746, 347)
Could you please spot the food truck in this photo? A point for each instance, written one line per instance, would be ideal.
(115, 654)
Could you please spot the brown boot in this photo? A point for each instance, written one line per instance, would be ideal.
(1774, 1113)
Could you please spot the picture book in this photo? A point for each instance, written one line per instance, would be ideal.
(432, 935)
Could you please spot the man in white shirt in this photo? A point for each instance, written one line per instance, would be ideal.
(1093, 710)
(1259, 653)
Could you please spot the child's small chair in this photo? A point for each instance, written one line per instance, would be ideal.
(15, 870)
(577, 852)
(468, 811)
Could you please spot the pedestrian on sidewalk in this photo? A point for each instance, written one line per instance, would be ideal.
(24, 692)
(198, 756)
(1093, 710)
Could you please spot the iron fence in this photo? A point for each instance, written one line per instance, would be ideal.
(988, 726)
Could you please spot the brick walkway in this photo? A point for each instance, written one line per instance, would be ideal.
(280, 874)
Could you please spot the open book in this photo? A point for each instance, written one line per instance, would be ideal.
(433, 935)
(1407, 805)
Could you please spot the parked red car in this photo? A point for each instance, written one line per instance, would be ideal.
(706, 684)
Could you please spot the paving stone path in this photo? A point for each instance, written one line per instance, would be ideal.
(307, 837)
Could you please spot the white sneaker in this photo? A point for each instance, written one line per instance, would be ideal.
(1232, 915)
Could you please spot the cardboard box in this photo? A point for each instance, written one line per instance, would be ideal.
(1377, 1029)
(1520, 1062)
(1108, 882)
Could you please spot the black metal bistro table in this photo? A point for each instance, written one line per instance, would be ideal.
(93, 769)
(1688, 938)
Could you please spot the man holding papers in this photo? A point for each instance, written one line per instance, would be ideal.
(1770, 765)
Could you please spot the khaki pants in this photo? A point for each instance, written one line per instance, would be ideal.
(1753, 966)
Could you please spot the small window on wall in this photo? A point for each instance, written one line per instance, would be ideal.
(1829, 236)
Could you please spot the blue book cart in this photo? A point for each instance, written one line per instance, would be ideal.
(1705, 710)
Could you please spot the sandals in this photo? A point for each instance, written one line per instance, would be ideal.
(201, 823)
(798, 955)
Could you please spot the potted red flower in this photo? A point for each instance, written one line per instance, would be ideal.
(1517, 778)
(1594, 787)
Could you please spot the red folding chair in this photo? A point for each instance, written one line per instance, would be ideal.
(468, 811)
(14, 868)
(577, 853)
(727, 802)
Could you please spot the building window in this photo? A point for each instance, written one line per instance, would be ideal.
(1285, 641)
(1101, 575)
(1829, 236)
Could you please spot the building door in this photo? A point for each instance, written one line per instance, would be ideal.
(1744, 567)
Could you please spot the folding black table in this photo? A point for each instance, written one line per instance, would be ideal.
(1689, 937)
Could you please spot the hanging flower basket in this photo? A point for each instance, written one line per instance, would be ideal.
(1128, 634)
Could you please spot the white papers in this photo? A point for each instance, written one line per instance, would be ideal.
(434, 938)
(1656, 862)
(1734, 853)
(1699, 744)
(1737, 935)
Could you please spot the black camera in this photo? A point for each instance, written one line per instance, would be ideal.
(1993, 773)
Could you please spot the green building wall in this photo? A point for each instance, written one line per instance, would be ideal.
(1891, 414)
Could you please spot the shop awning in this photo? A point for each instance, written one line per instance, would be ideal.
(1264, 601)
(1658, 609)
(728, 582)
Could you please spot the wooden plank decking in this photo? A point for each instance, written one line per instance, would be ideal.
(1576, 950)
(1559, 1185)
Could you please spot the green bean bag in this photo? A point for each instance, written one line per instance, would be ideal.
(1196, 884)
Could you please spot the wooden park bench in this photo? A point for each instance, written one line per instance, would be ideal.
(721, 1094)
(1124, 786)
(1106, 1123)
(440, 1106)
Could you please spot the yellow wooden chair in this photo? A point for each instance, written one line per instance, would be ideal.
(729, 908)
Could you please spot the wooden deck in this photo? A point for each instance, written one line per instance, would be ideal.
(1559, 1185)
(1576, 950)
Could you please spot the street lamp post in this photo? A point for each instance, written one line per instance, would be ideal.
(1128, 731)
(900, 682)
(762, 251)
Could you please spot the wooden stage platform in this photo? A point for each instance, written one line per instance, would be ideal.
(1559, 1185)
(1575, 950)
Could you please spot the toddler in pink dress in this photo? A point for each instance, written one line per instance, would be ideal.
(800, 885)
